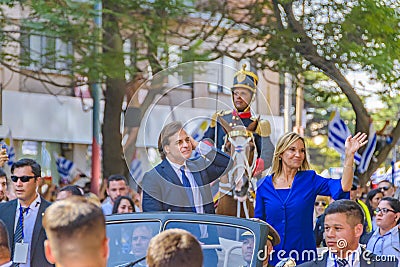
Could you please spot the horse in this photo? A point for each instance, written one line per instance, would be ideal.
(236, 186)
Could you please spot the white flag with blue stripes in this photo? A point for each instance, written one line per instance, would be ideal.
(378, 175)
(64, 168)
(337, 134)
(369, 150)
(136, 170)
(389, 174)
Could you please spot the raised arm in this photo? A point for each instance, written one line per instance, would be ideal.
(352, 144)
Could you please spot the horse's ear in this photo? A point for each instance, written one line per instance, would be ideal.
(225, 125)
(253, 125)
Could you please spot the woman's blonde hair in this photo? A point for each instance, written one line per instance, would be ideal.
(283, 144)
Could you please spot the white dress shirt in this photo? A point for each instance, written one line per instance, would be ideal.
(29, 225)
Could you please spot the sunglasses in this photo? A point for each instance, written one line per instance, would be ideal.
(317, 203)
(384, 188)
(23, 179)
(383, 210)
(141, 237)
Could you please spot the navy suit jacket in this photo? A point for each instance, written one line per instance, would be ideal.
(7, 215)
(367, 259)
(163, 190)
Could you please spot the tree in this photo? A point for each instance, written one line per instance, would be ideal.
(323, 36)
(142, 24)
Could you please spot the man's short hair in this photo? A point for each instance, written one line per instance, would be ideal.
(174, 248)
(75, 228)
(352, 209)
(74, 189)
(169, 130)
(2, 173)
(116, 177)
(386, 181)
(36, 169)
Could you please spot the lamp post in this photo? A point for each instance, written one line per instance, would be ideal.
(96, 93)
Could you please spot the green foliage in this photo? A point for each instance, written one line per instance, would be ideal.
(146, 24)
(322, 157)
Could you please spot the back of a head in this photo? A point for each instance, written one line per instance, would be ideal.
(74, 189)
(174, 248)
(353, 211)
(4, 246)
(76, 232)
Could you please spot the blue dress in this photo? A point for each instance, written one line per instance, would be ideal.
(293, 217)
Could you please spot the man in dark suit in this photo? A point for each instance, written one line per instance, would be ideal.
(182, 184)
(179, 183)
(23, 216)
(344, 220)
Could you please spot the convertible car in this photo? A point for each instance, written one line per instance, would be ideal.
(221, 237)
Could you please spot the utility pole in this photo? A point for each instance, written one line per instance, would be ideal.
(299, 109)
(1, 104)
(288, 103)
(96, 93)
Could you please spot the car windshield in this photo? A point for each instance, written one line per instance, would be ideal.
(223, 245)
(129, 241)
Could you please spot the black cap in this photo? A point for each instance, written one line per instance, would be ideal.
(356, 183)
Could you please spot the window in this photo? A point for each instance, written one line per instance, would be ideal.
(171, 57)
(41, 52)
(225, 73)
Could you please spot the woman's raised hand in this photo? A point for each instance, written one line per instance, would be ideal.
(354, 143)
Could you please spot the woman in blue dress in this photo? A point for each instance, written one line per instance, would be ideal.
(285, 198)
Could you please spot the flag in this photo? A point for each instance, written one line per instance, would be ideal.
(337, 134)
(9, 146)
(200, 130)
(64, 168)
(136, 170)
(198, 134)
(378, 175)
(369, 150)
(46, 158)
(389, 174)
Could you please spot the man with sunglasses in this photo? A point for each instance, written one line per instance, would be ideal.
(23, 216)
(386, 188)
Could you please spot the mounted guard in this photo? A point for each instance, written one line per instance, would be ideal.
(243, 94)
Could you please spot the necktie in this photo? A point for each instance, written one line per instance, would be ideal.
(188, 189)
(19, 230)
(341, 262)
